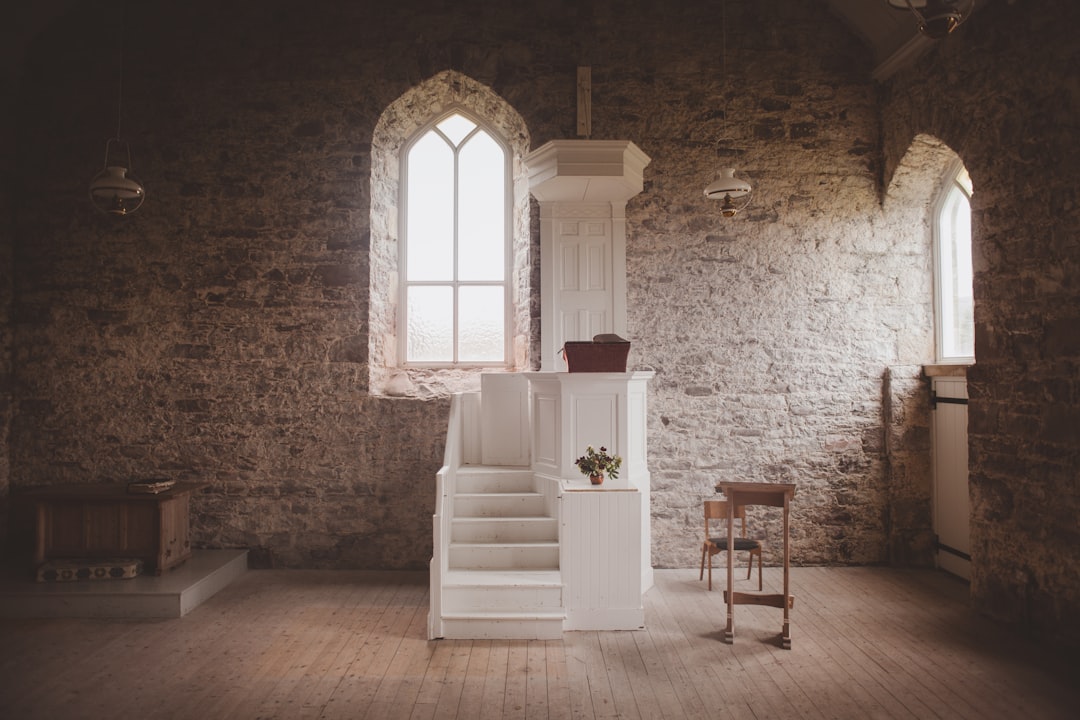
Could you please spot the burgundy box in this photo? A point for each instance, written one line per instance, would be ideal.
(588, 356)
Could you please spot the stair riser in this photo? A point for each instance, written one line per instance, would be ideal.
(494, 505)
(485, 629)
(503, 483)
(499, 530)
(509, 599)
(506, 557)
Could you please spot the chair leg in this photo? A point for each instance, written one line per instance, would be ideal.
(701, 574)
(759, 572)
(750, 566)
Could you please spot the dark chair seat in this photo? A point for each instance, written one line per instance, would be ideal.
(741, 543)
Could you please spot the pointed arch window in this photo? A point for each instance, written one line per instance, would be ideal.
(955, 307)
(455, 240)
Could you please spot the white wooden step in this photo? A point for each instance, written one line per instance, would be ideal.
(495, 480)
(466, 591)
(490, 578)
(503, 626)
(503, 579)
(504, 555)
(500, 529)
(498, 504)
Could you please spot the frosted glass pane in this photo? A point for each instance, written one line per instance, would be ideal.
(430, 220)
(430, 324)
(482, 221)
(955, 304)
(456, 128)
(480, 323)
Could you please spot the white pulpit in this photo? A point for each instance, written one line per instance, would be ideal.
(582, 187)
(604, 530)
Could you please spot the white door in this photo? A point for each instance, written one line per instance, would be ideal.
(585, 277)
(950, 458)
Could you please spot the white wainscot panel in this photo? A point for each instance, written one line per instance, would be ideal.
(595, 422)
(545, 432)
(504, 419)
(601, 560)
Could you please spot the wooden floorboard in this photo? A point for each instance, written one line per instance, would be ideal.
(866, 643)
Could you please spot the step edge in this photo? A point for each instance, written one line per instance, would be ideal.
(531, 519)
(508, 585)
(524, 543)
(498, 614)
(552, 574)
(524, 495)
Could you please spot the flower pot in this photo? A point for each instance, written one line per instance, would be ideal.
(596, 479)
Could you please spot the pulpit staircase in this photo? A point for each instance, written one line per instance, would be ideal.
(510, 507)
(503, 578)
(495, 566)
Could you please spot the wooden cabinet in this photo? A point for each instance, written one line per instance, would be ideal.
(106, 521)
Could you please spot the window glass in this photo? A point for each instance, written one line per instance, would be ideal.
(455, 241)
(456, 128)
(955, 299)
(481, 320)
(482, 222)
(430, 220)
(431, 323)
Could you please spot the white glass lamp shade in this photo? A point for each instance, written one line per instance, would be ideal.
(733, 191)
(113, 192)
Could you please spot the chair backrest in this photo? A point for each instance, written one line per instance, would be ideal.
(717, 510)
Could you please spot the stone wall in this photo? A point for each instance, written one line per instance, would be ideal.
(10, 72)
(221, 333)
(1003, 95)
(7, 245)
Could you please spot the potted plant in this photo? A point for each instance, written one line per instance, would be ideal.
(597, 464)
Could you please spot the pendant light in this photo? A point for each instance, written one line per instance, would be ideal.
(936, 18)
(733, 192)
(112, 190)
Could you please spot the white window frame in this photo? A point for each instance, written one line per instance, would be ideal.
(508, 211)
(952, 183)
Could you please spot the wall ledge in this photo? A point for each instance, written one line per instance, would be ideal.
(945, 370)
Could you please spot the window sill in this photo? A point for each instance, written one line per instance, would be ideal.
(426, 383)
(947, 370)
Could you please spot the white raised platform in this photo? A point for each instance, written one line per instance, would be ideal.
(171, 595)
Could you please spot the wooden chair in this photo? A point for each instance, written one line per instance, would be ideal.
(717, 510)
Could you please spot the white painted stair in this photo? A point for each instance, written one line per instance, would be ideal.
(503, 578)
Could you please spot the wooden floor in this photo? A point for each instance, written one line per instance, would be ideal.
(867, 643)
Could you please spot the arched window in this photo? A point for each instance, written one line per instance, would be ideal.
(487, 125)
(954, 306)
(455, 245)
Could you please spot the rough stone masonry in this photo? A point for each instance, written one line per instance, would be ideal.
(226, 331)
